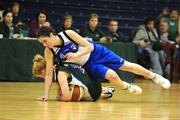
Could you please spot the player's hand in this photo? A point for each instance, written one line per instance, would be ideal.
(42, 98)
(70, 56)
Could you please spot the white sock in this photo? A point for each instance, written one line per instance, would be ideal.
(151, 75)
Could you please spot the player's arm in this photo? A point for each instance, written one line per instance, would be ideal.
(63, 81)
(49, 71)
(88, 47)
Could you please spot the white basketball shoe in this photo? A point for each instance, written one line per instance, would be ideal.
(163, 82)
(134, 89)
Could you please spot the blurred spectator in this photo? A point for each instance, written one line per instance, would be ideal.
(178, 38)
(146, 36)
(92, 30)
(16, 16)
(41, 19)
(163, 31)
(164, 36)
(66, 24)
(7, 28)
(17, 20)
(176, 75)
(173, 24)
(113, 34)
(146, 33)
(1, 13)
(164, 14)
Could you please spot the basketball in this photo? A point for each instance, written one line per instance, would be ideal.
(77, 92)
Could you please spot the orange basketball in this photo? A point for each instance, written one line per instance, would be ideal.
(77, 92)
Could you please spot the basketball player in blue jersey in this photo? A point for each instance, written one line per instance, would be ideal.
(68, 75)
(68, 46)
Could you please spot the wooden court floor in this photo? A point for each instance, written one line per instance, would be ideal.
(18, 102)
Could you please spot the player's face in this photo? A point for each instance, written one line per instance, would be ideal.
(46, 41)
(42, 74)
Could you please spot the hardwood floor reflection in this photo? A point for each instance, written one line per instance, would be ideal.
(18, 102)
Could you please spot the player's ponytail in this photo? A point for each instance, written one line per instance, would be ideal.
(39, 63)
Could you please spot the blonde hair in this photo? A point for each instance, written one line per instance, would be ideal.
(39, 63)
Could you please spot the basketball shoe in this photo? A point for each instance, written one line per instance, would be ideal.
(163, 82)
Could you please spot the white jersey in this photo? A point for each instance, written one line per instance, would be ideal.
(75, 81)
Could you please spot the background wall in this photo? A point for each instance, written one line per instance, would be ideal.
(16, 58)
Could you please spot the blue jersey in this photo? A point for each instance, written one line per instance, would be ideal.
(97, 62)
(69, 46)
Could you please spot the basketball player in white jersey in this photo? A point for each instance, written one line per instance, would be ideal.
(68, 75)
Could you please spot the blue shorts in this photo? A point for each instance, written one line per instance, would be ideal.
(102, 59)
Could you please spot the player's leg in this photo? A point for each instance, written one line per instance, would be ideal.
(104, 72)
(114, 79)
(139, 70)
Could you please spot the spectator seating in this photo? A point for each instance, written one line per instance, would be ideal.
(130, 13)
